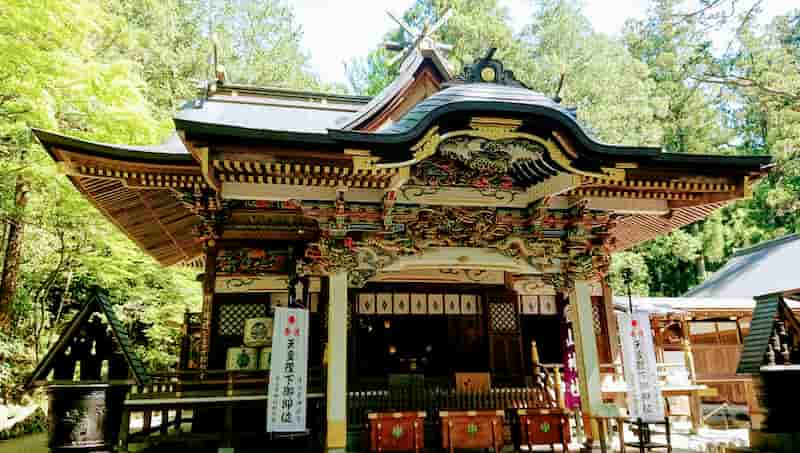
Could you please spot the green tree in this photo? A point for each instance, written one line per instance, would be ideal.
(112, 71)
(676, 47)
(259, 43)
(609, 87)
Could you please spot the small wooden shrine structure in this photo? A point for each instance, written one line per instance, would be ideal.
(88, 372)
(771, 355)
(702, 334)
(435, 231)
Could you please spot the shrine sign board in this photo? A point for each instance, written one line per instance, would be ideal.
(286, 410)
(641, 375)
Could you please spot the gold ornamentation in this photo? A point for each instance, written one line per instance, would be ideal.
(448, 226)
(615, 174)
(558, 156)
(207, 169)
(494, 128)
(427, 145)
(504, 128)
(362, 159)
(488, 74)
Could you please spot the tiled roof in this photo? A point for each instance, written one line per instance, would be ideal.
(766, 268)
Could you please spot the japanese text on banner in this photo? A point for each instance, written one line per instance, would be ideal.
(286, 411)
(641, 374)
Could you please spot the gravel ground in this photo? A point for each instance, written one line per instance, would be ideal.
(682, 442)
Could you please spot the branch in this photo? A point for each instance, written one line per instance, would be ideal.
(745, 82)
(702, 10)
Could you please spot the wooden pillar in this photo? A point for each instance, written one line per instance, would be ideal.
(336, 438)
(586, 352)
(124, 431)
(209, 282)
(586, 347)
(695, 406)
(611, 322)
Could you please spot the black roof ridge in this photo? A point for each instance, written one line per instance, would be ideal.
(292, 93)
(766, 244)
(300, 103)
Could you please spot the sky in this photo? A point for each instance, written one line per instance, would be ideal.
(335, 31)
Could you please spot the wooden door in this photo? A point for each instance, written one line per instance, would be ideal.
(505, 341)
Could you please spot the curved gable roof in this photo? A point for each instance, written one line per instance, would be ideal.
(487, 98)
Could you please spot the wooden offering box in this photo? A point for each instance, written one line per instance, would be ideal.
(396, 431)
(543, 427)
(472, 429)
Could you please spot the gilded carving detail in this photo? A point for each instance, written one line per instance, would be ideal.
(251, 261)
(479, 162)
(426, 147)
(447, 227)
(493, 157)
(362, 260)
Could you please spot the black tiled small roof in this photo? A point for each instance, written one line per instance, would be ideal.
(765, 268)
(272, 110)
(757, 340)
(98, 303)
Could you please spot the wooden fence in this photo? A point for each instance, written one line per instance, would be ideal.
(434, 399)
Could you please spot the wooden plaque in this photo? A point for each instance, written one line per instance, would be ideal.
(366, 303)
(452, 304)
(383, 303)
(435, 304)
(419, 304)
(401, 304)
(470, 382)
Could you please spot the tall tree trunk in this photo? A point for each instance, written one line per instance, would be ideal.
(14, 236)
(700, 265)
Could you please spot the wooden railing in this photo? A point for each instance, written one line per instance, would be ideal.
(185, 383)
(434, 399)
(217, 382)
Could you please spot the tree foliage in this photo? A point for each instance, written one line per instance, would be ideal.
(110, 71)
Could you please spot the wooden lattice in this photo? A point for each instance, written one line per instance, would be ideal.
(503, 317)
(232, 317)
(597, 322)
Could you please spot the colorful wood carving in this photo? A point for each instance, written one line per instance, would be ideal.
(251, 261)
(567, 241)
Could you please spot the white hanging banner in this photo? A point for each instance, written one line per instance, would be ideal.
(641, 374)
(286, 408)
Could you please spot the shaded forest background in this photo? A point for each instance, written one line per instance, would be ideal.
(115, 70)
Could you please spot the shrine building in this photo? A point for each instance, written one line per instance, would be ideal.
(446, 235)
